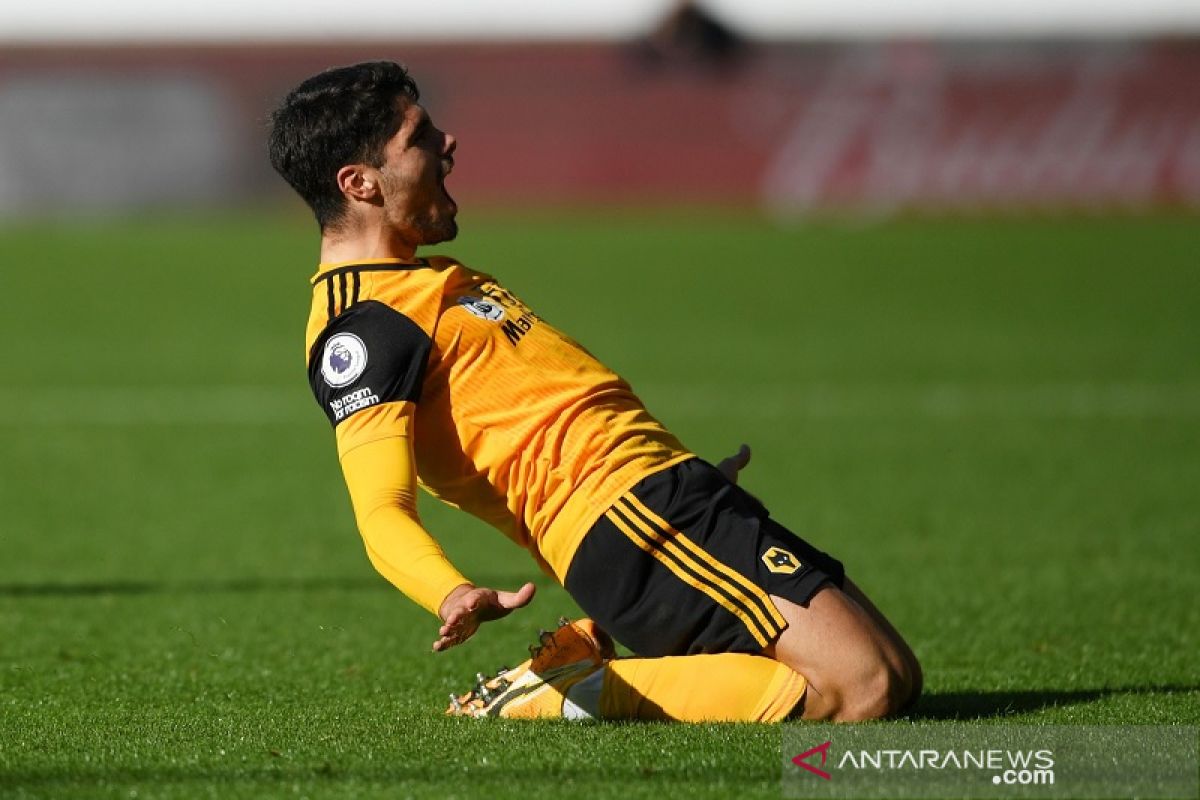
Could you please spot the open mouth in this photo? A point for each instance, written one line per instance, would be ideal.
(447, 168)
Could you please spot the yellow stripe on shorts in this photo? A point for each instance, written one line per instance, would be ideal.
(755, 592)
(688, 569)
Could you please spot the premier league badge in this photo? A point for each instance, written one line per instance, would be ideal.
(344, 359)
(482, 307)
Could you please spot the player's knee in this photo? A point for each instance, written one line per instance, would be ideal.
(881, 690)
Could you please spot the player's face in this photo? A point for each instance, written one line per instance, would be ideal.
(416, 162)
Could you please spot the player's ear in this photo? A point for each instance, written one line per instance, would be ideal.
(358, 182)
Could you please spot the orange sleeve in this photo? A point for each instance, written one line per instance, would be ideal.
(376, 452)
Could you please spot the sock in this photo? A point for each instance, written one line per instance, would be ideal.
(722, 687)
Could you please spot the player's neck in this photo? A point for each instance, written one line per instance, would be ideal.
(364, 242)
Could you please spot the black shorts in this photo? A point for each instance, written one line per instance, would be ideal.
(683, 564)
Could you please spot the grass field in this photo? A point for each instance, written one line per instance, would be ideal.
(995, 424)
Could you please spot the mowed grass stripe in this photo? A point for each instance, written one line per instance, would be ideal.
(281, 405)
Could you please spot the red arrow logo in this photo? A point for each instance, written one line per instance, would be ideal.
(823, 749)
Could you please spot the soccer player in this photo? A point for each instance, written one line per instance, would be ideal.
(433, 372)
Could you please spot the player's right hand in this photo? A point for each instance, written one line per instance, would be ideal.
(467, 606)
(730, 467)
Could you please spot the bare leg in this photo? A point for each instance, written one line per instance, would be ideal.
(857, 665)
(916, 676)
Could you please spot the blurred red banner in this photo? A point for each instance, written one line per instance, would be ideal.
(795, 128)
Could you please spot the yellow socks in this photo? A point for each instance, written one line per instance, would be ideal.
(729, 687)
(573, 673)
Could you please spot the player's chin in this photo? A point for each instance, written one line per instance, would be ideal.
(447, 225)
(440, 230)
(442, 223)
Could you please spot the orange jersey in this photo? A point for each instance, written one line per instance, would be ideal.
(509, 419)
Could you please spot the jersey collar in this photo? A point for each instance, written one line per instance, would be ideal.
(327, 268)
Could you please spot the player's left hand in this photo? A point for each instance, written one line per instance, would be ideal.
(468, 606)
(730, 467)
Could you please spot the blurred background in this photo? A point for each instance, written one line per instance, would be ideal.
(789, 107)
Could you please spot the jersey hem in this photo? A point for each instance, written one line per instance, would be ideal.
(582, 511)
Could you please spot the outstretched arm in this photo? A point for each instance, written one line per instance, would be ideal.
(381, 477)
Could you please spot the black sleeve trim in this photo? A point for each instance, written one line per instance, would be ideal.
(367, 355)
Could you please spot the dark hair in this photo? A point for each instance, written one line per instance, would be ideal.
(341, 116)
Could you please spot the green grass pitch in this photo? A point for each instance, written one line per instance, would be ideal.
(995, 424)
